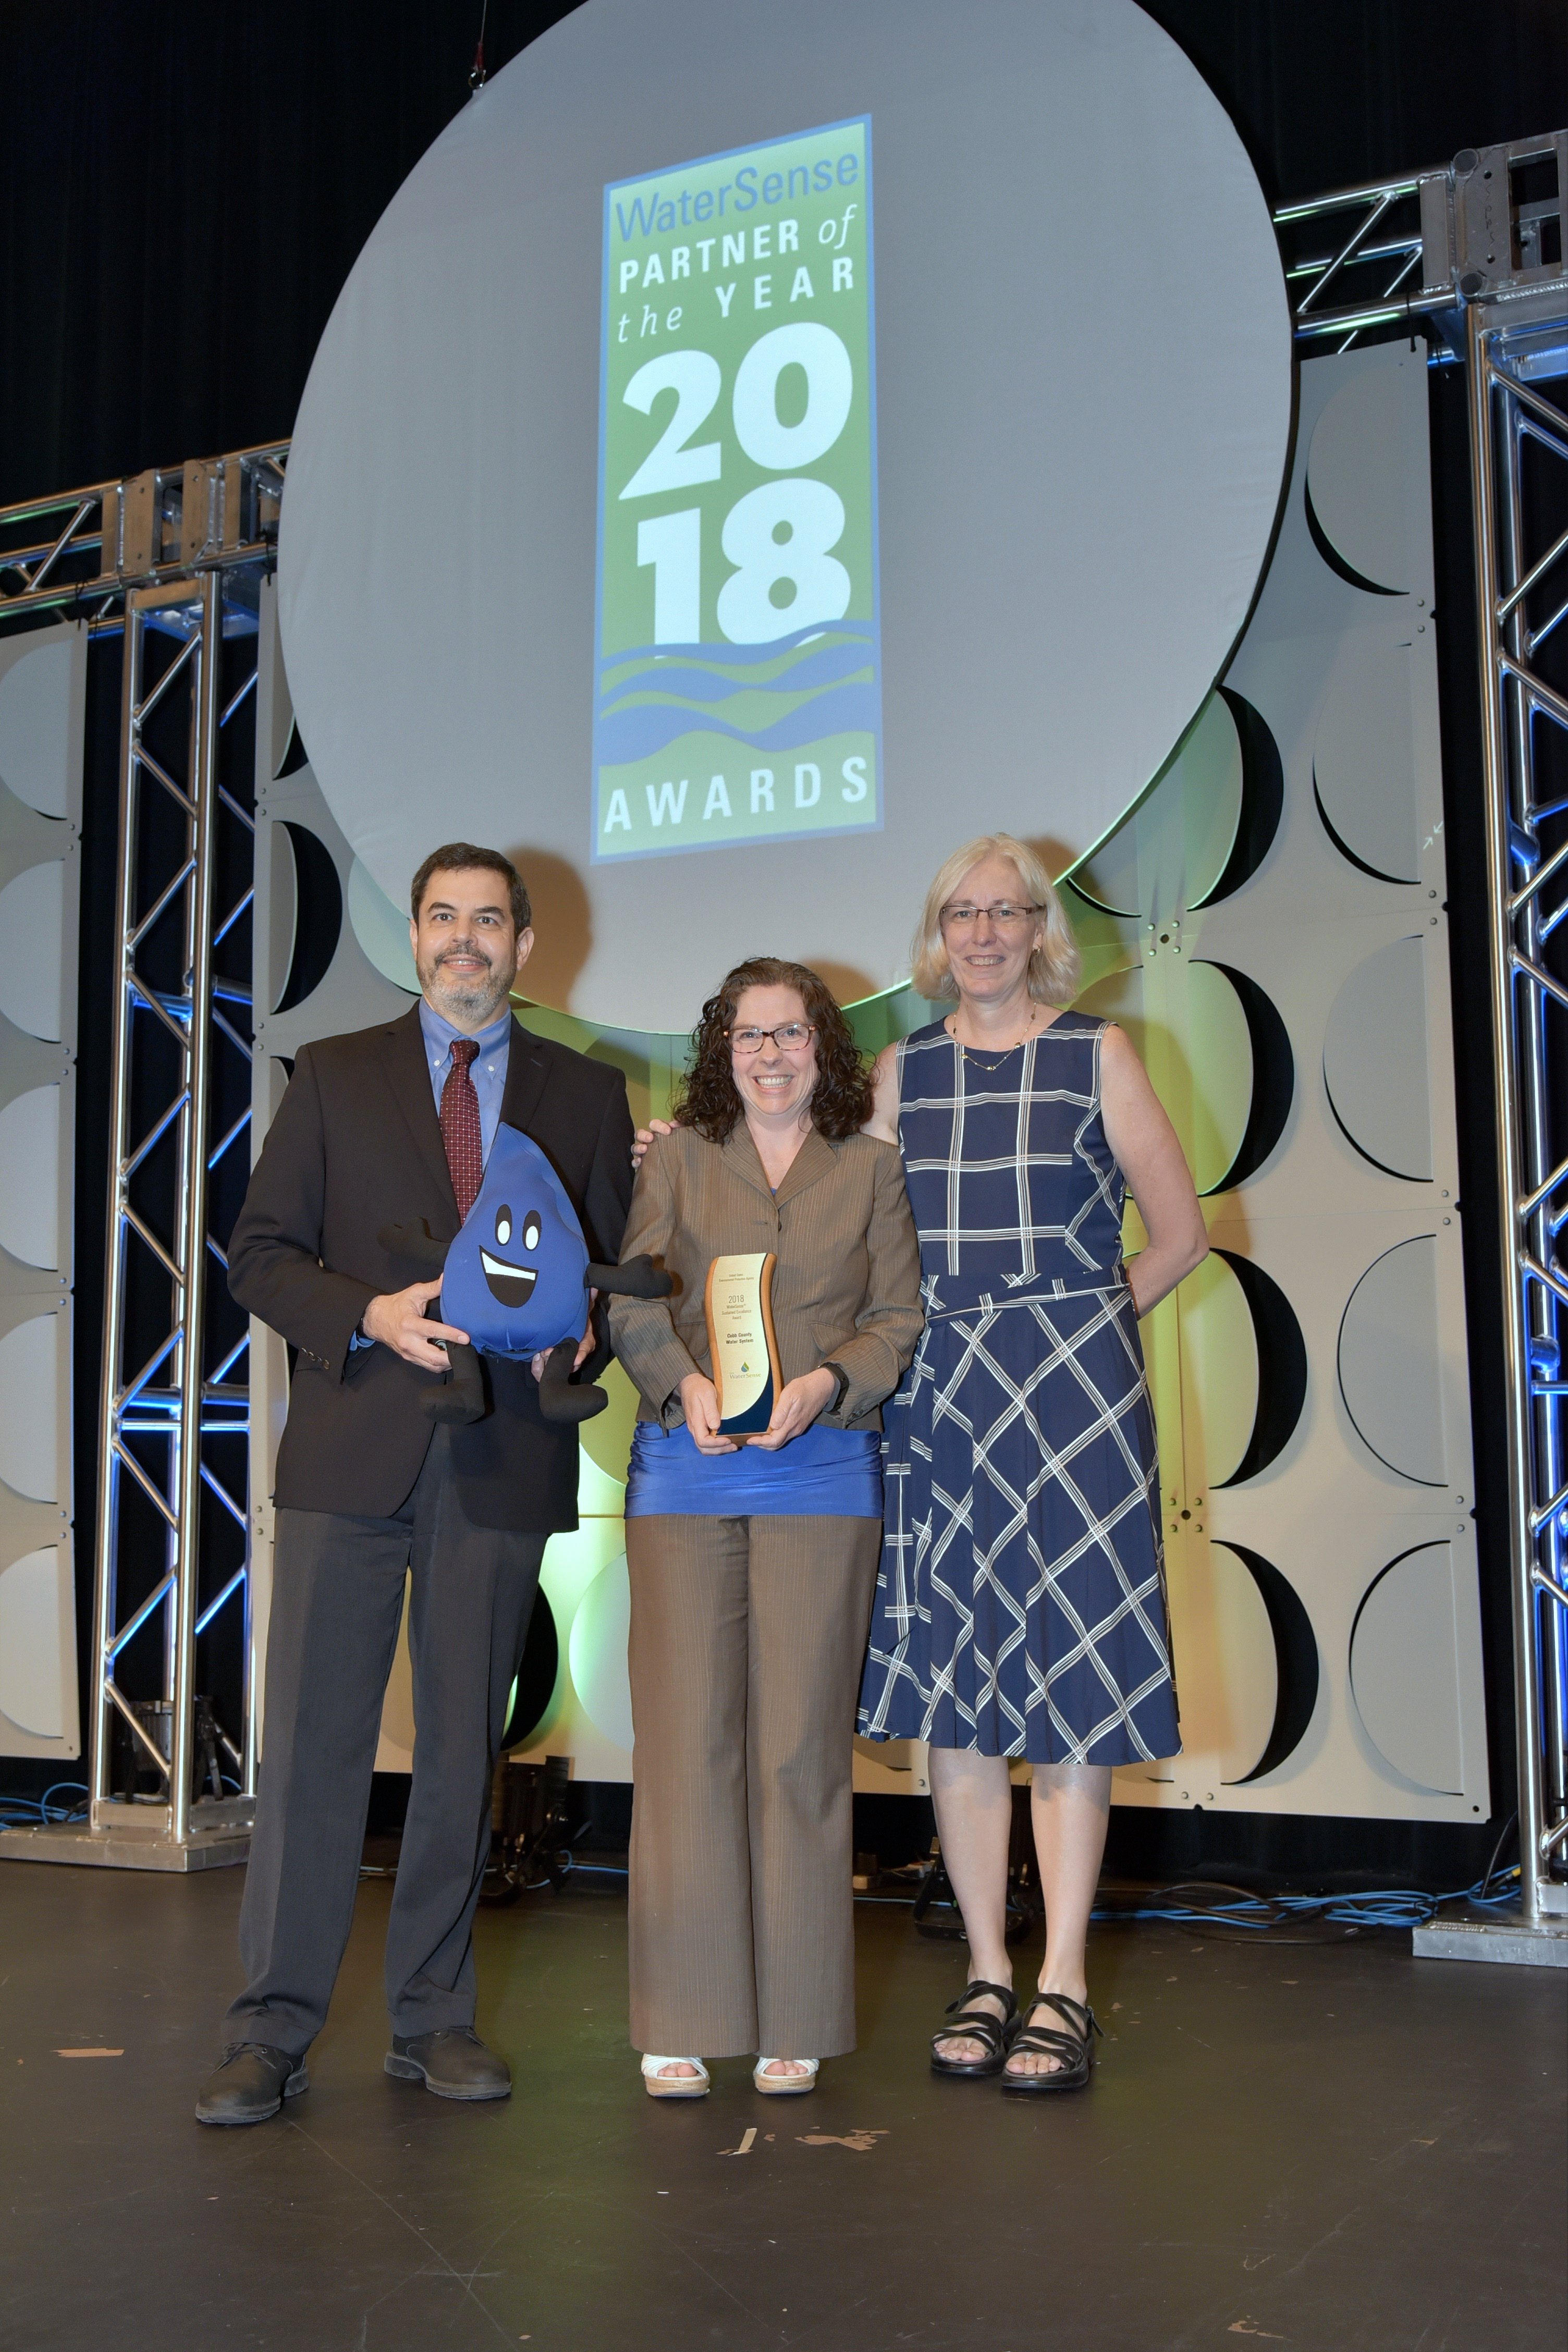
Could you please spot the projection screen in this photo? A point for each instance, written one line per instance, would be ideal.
(759, 448)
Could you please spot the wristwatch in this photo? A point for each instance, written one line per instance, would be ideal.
(842, 1378)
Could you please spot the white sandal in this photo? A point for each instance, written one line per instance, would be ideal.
(674, 2087)
(775, 2086)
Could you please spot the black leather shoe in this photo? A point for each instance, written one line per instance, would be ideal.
(249, 2083)
(454, 2064)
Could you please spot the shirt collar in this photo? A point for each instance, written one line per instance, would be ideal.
(439, 1032)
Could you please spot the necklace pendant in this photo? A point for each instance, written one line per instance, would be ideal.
(992, 1067)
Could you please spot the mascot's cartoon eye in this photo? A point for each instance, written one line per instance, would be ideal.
(503, 1226)
(530, 1231)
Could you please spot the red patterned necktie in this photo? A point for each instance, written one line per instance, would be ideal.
(460, 1126)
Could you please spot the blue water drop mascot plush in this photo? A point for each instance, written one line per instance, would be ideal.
(516, 1278)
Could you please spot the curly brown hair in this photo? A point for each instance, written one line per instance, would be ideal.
(707, 1097)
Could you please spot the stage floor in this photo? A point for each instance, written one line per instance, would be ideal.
(1331, 2149)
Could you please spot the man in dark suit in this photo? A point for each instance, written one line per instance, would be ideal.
(386, 1127)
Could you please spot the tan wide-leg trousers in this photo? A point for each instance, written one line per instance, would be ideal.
(747, 1638)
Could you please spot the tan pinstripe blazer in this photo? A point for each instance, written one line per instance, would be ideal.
(847, 1282)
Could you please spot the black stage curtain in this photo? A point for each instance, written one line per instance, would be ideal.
(186, 190)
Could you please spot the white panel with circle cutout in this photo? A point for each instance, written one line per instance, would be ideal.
(1343, 927)
(30, 1178)
(42, 679)
(1220, 1370)
(1390, 1370)
(32, 950)
(1375, 1060)
(37, 1669)
(1372, 503)
(29, 1408)
(1404, 1669)
(1363, 764)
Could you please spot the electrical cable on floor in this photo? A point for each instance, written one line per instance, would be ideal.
(1245, 1914)
(1240, 1915)
(21, 1813)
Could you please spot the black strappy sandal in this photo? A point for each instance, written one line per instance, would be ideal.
(977, 2025)
(1075, 2048)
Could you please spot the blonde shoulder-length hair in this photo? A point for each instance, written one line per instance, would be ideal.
(1055, 964)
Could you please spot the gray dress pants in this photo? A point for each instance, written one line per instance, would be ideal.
(337, 1602)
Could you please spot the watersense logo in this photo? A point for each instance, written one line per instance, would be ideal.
(738, 661)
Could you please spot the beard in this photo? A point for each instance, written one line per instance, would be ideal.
(469, 995)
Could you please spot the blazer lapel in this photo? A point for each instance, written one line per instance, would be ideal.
(811, 1163)
(408, 1072)
(740, 1159)
(527, 1073)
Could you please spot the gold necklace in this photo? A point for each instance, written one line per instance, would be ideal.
(992, 1067)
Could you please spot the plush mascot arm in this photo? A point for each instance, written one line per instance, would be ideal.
(558, 1398)
(639, 1278)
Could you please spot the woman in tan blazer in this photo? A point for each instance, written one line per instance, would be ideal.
(751, 1567)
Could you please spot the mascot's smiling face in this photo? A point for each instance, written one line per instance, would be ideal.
(514, 1274)
(511, 1282)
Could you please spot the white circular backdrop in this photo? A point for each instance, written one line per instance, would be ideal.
(1082, 411)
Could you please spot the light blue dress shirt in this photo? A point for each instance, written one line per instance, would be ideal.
(488, 1071)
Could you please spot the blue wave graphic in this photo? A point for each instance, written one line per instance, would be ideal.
(825, 666)
(689, 680)
(742, 656)
(636, 734)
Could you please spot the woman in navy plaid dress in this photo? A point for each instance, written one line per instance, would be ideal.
(1020, 1610)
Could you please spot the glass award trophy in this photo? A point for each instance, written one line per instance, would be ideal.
(742, 1348)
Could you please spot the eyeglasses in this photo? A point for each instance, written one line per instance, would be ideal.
(1005, 916)
(789, 1038)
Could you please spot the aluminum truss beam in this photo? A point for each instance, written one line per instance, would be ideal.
(77, 554)
(1489, 226)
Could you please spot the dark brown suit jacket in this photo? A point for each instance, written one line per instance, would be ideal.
(846, 1286)
(356, 1145)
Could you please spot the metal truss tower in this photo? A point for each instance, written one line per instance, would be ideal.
(1519, 426)
(175, 563)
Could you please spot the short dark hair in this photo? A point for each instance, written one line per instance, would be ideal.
(463, 857)
(707, 1097)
